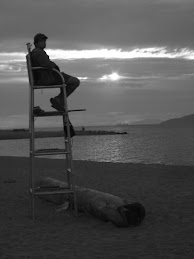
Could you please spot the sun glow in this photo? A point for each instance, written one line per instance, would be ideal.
(112, 77)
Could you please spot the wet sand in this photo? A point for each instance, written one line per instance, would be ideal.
(166, 192)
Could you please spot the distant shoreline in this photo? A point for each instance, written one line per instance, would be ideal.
(24, 134)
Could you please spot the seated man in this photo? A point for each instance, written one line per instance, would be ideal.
(39, 58)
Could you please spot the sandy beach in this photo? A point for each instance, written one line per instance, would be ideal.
(166, 192)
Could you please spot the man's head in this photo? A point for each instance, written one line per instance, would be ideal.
(40, 40)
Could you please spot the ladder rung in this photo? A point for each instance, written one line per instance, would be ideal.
(56, 113)
(77, 110)
(49, 190)
(53, 151)
(47, 86)
(51, 113)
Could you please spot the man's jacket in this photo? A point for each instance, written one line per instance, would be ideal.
(39, 58)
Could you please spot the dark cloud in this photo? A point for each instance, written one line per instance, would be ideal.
(90, 24)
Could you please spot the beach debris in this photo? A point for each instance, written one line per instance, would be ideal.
(10, 181)
(63, 206)
(107, 207)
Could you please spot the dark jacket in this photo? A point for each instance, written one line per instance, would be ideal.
(39, 58)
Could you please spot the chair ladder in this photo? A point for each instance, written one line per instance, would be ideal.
(50, 190)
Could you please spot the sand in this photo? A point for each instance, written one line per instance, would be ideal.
(166, 192)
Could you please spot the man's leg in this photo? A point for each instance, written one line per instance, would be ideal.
(72, 83)
(58, 101)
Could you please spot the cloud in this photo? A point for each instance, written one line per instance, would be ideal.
(175, 2)
(60, 54)
(152, 52)
(135, 65)
(97, 24)
(19, 79)
(83, 78)
(12, 68)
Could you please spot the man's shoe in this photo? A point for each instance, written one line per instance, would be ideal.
(37, 110)
(57, 104)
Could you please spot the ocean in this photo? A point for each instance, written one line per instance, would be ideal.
(147, 144)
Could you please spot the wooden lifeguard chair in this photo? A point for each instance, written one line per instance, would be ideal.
(50, 190)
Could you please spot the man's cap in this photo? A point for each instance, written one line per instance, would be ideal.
(40, 36)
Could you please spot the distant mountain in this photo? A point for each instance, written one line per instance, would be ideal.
(187, 120)
(146, 122)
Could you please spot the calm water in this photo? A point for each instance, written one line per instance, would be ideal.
(142, 144)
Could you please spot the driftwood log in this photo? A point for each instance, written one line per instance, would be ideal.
(107, 207)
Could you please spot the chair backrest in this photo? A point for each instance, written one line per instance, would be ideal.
(29, 65)
(31, 69)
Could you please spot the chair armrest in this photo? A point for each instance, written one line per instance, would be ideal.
(52, 69)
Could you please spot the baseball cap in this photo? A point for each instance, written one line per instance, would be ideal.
(40, 36)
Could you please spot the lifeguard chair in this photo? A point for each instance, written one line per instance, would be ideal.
(50, 190)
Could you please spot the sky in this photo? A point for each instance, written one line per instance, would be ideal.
(134, 58)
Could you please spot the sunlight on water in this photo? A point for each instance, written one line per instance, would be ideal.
(141, 145)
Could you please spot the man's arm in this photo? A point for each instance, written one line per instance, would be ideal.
(40, 58)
